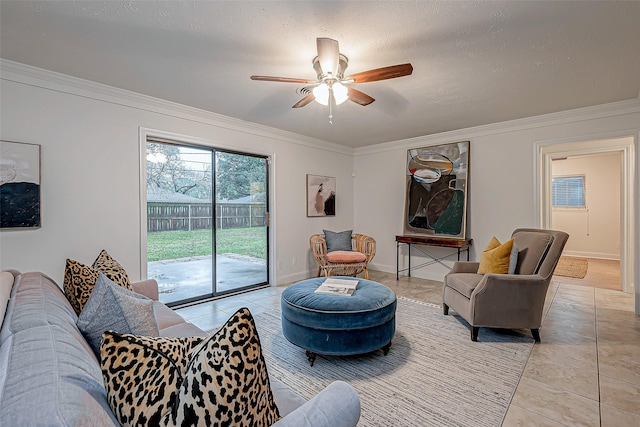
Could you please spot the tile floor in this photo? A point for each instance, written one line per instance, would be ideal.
(586, 370)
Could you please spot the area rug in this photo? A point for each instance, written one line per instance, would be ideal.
(434, 375)
(571, 267)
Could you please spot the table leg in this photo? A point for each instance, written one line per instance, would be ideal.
(397, 261)
(311, 357)
(385, 349)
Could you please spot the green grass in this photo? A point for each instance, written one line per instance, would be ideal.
(181, 244)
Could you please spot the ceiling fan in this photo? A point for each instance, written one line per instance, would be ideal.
(331, 86)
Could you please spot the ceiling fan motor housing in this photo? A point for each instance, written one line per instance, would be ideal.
(343, 63)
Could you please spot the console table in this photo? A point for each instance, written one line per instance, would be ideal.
(458, 244)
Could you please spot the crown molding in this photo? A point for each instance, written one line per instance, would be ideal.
(619, 108)
(50, 80)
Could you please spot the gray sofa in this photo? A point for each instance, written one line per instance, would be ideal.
(50, 376)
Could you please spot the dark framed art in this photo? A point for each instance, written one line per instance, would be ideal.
(19, 185)
(437, 180)
(321, 195)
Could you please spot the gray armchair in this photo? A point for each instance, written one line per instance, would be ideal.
(510, 301)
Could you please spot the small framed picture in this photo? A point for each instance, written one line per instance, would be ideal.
(19, 185)
(321, 195)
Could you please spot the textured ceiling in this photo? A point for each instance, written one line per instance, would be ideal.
(474, 62)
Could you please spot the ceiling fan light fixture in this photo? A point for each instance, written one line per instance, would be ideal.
(321, 92)
(340, 92)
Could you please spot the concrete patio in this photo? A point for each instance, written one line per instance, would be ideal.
(184, 278)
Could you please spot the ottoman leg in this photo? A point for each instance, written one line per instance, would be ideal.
(385, 349)
(311, 357)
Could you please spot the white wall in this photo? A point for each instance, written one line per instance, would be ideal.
(90, 172)
(594, 231)
(503, 192)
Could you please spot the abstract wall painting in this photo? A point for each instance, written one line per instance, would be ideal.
(19, 185)
(321, 195)
(437, 179)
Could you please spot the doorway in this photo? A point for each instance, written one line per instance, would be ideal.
(206, 220)
(585, 203)
(624, 148)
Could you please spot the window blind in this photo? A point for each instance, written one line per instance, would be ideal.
(568, 191)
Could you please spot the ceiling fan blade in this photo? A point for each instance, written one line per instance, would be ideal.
(328, 55)
(359, 97)
(383, 73)
(281, 79)
(304, 101)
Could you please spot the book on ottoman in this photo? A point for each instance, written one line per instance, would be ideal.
(343, 287)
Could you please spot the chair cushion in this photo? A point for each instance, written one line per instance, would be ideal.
(532, 248)
(340, 241)
(464, 283)
(496, 257)
(345, 257)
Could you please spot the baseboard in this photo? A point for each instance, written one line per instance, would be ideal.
(292, 277)
(598, 255)
(421, 273)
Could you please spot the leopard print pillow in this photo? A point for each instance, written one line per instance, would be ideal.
(79, 279)
(226, 382)
(142, 375)
(112, 269)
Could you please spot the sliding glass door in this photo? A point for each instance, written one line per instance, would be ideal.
(241, 220)
(207, 220)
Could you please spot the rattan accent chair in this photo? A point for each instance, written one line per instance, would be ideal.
(364, 244)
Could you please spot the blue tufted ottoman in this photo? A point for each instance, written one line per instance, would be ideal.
(339, 325)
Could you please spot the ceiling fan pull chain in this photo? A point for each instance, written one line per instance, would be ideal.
(331, 99)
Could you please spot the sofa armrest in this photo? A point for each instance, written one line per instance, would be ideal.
(510, 283)
(148, 288)
(338, 405)
(464, 267)
(509, 300)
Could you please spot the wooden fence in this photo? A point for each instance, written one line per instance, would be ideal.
(164, 216)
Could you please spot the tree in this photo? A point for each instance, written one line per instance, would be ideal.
(167, 169)
(239, 176)
(174, 170)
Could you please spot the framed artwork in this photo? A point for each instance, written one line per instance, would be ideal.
(321, 195)
(19, 185)
(437, 179)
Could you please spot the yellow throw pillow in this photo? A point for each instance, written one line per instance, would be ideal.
(496, 257)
